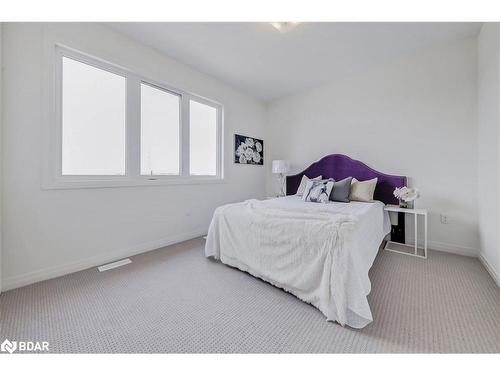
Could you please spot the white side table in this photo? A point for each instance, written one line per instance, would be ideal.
(415, 212)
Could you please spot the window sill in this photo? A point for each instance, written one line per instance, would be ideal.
(103, 184)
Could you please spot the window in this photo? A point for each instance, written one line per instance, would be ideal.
(202, 139)
(113, 127)
(93, 120)
(160, 124)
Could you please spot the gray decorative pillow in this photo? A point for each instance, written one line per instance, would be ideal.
(341, 190)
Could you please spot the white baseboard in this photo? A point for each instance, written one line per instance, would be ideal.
(490, 269)
(448, 248)
(64, 269)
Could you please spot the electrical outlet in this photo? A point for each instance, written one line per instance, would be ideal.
(445, 219)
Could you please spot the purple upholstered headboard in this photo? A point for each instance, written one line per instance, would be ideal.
(338, 167)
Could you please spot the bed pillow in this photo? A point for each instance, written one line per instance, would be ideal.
(341, 190)
(317, 191)
(303, 182)
(363, 190)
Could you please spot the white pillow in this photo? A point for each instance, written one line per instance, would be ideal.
(363, 190)
(318, 191)
(303, 182)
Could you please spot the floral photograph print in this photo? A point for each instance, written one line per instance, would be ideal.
(248, 150)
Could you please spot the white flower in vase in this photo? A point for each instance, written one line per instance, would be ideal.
(406, 196)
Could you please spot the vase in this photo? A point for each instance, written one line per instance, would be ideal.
(403, 204)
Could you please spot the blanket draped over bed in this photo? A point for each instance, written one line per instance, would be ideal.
(303, 251)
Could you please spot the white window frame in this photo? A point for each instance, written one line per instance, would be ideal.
(54, 179)
(181, 122)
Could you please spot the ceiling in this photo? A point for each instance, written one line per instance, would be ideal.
(265, 63)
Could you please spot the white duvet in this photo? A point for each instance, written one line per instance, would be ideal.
(321, 253)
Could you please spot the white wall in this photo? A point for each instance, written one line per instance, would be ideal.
(489, 145)
(1, 155)
(52, 232)
(416, 116)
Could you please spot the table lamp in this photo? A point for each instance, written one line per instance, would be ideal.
(281, 167)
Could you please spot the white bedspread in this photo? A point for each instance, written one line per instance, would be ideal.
(321, 253)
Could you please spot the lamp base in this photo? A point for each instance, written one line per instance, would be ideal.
(282, 186)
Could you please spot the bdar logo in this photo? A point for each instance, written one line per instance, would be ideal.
(24, 346)
(8, 346)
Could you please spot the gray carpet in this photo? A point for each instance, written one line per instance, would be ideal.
(176, 300)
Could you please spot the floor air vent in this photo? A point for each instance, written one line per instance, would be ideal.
(110, 266)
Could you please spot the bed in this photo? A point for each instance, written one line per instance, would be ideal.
(321, 253)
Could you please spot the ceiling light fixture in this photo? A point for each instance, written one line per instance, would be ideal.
(283, 27)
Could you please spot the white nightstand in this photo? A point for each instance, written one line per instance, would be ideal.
(415, 212)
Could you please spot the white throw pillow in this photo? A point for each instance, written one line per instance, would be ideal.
(303, 183)
(318, 191)
(363, 190)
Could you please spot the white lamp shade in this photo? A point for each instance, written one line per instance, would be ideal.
(281, 166)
